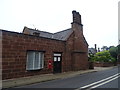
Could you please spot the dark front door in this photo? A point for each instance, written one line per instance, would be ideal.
(57, 63)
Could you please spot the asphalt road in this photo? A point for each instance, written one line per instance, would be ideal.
(102, 79)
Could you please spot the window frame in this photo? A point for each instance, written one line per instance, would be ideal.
(40, 59)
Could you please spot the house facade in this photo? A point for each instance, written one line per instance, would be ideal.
(35, 52)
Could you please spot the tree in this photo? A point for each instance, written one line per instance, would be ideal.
(118, 52)
(104, 48)
(113, 52)
(118, 49)
(103, 56)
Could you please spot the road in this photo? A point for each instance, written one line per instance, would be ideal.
(102, 79)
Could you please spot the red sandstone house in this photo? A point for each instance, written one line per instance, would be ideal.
(35, 52)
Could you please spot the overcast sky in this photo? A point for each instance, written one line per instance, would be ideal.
(99, 17)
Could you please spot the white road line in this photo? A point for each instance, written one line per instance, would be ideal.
(100, 81)
(105, 82)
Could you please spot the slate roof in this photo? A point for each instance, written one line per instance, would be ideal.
(62, 35)
(91, 50)
(42, 33)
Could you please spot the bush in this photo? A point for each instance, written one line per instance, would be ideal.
(113, 52)
(103, 56)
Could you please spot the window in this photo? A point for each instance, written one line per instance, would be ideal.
(35, 60)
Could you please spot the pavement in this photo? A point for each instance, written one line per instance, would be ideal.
(47, 77)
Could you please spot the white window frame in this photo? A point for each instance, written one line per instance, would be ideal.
(57, 54)
(41, 60)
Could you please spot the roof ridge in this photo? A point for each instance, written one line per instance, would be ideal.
(62, 31)
(61, 35)
(39, 30)
(49, 32)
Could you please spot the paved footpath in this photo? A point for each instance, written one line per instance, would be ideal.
(47, 77)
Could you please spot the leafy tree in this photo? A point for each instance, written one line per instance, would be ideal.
(104, 48)
(91, 56)
(118, 52)
(113, 52)
(103, 56)
(118, 49)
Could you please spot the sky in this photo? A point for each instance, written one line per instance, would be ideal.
(99, 17)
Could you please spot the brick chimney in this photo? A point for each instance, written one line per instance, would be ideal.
(77, 28)
(77, 23)
(76, 17)
(96, 48)
(80, 47)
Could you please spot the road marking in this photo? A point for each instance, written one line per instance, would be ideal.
(98, 82)
(105, 82)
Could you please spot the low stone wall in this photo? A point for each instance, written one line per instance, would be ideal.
(103, 64)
